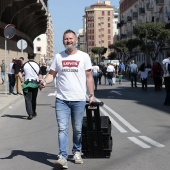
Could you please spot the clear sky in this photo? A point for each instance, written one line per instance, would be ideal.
(68, 14)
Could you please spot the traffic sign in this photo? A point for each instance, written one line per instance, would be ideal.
(9, 31)
(22, 44)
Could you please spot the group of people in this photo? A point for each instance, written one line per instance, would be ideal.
(110, 71)
(75, 75)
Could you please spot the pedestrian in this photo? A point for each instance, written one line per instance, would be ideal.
(17, 68)
(30, 86)
(143, 72)
(11, 78)
(100, 74)
(3, 67)
(157, 72)
(120, 77)
(121, 67)
(166, 63)
(133, 70)
(104, 71)
(110, 72)
(95, 70)
(43, 69)
(74, 75)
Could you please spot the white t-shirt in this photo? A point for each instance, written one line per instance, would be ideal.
(11, 70)
(110, 68)
(95, 69)
(165, 63)
(29, 72)
(71, 75)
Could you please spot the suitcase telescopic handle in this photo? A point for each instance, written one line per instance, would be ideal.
(95, 103)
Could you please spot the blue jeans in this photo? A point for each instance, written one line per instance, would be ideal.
(65, 109)
(11, 78)
(3, 77)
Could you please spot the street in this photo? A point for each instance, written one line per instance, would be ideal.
(140, 131)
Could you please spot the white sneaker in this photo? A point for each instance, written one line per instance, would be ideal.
(61, 162)
(77, 158)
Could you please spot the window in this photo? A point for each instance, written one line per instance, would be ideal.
(108, 24)
(38, 49)
(102, 13)
(108, 13)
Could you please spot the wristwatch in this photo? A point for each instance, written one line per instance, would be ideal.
(90, 95)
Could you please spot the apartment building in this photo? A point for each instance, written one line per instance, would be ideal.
(44, 43)
(99, 26)
(134, 12)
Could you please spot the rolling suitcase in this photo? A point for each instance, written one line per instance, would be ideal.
(96, 133)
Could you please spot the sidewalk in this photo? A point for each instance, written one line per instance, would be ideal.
(7, 100)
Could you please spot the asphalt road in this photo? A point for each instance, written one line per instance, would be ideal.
(140, 132)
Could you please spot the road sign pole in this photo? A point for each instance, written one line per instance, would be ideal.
(5, 66)
(22, 54)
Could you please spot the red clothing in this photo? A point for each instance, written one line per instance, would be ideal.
(157, 71)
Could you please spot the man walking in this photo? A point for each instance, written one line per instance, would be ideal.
(133, 69)
(3, 67)
(74, 70)
(31, 69)
(17, 68)
(166, 63)
(11, 77)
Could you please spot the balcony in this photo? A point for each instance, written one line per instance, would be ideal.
(129, 19)
(149, 6)
(141, 11)
(159, 2)
(135, 15)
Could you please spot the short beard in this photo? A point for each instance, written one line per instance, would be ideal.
(70, 49)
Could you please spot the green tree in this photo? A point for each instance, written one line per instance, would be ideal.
(99, 51)
(126, 48)
(154, 36)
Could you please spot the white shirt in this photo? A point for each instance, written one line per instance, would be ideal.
(110, 68)
(144, 74)
(11, 70)
(29, 72)
(165, 63)
(95, 69)
(71, 75)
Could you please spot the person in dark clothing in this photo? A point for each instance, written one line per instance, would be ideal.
(17, 68)
(157, 73)
(30, 87)
(43, 69)
(104, 71)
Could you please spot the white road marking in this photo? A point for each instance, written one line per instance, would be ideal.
(133, 129)
(152, 141)
(52, 94)
(138, 142)
(117, 92)
(117, 126)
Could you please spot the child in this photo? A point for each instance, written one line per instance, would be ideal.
(120, 77)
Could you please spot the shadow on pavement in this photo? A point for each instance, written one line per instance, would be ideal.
(15, 116)
(40, 157)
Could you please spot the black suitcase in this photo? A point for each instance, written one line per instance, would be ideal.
(96, 133)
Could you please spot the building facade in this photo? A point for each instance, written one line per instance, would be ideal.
(99, 26)
(44, 43)
(135, 12)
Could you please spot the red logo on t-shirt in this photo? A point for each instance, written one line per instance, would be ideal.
(70, 63)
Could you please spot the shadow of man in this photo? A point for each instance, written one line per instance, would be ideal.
(35, 156)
